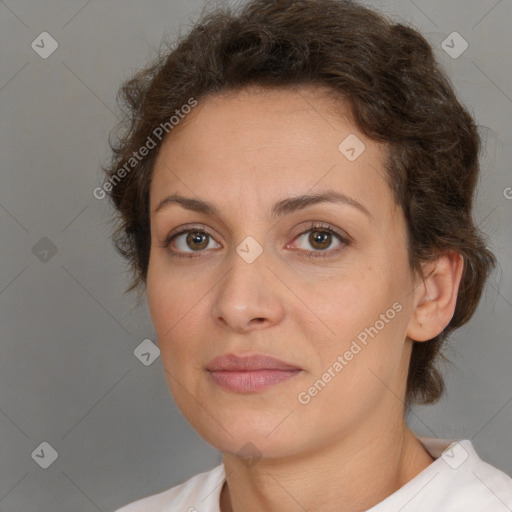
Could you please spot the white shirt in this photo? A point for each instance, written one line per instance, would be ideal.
(457, 481)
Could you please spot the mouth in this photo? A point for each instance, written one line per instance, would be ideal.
(247, 374)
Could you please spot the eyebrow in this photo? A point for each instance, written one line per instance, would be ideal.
(281, 208)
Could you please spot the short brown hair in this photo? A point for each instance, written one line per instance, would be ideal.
(398, 94)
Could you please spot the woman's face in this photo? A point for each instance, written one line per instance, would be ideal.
(269, 278)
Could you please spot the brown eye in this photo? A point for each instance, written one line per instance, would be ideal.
(320, 239)
(189, 241)
(197, 240)
(317, 239)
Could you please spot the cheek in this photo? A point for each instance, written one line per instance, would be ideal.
(160, 303)
(177, 313)
(344, 303)
(364, 307)
(171, 312)
(168, 297)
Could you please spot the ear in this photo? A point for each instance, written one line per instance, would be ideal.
(435, 296)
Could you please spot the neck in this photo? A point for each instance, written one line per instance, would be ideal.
(358, 473)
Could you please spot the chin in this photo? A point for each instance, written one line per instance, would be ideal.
(247, 433)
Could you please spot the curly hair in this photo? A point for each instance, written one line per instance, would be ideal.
(398, 95)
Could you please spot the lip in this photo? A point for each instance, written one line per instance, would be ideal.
(234, 362)
(246, 374)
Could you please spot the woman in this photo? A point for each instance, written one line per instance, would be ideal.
(294, 193)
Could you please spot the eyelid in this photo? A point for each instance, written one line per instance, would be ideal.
(344, 238)
(185, 229)
(324, 226)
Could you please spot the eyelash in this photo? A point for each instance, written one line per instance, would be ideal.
(321, 227)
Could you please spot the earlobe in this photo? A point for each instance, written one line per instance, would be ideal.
(436, 296)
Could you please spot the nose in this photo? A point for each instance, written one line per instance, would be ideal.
(248, 296)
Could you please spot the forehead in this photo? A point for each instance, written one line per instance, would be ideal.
(270, 142)
(257, 109)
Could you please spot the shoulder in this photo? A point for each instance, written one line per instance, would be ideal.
(457, 481)
(476, 482)
(482, 486)
(202, 491)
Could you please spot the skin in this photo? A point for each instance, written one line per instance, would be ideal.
(244, 151)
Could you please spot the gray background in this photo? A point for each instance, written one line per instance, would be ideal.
(68, 374)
